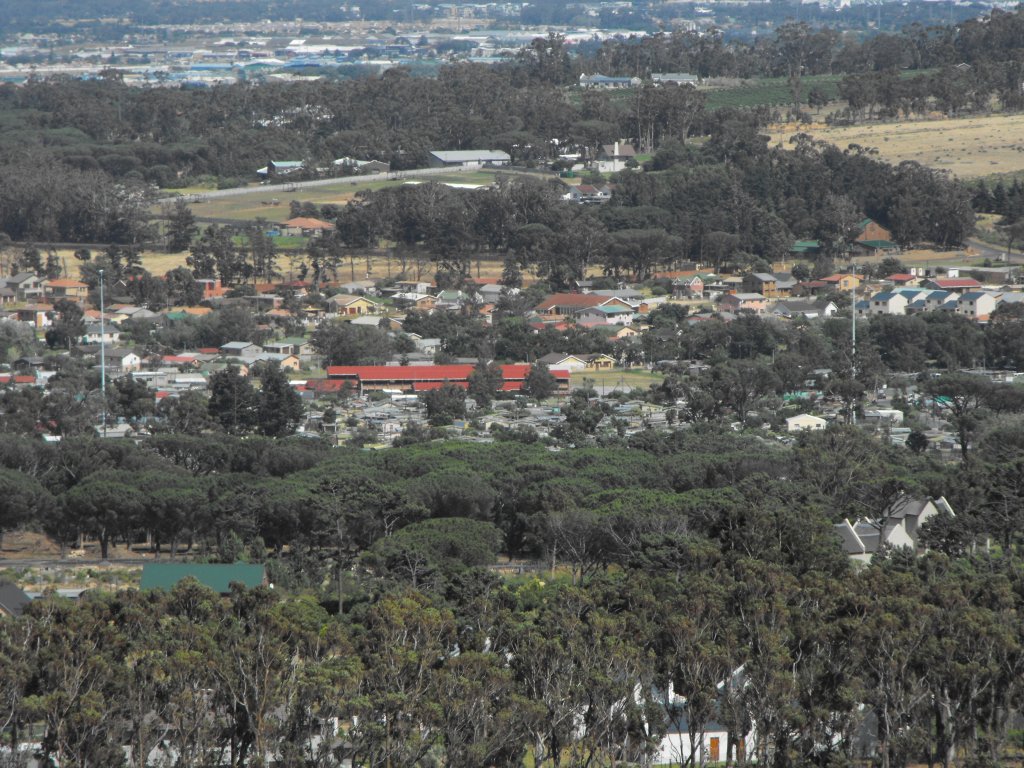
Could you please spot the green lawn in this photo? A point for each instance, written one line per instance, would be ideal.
(629, 378)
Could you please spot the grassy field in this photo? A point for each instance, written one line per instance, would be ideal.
(771, 91)
(605, 381)
(972, 147)
(252, 205)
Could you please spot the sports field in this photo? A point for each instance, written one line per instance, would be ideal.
(969, 147)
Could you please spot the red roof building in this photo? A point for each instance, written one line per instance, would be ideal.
(952, 283)
(419, 378)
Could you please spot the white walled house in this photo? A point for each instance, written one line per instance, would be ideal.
(976, 305)
(805, 422)
(888, 303)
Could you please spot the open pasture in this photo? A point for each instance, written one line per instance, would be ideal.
(970, 147)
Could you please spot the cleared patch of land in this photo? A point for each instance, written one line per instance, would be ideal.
(621, 380)
(970, 147)
(271, 202)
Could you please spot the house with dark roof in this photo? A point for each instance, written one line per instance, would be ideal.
(977, 305)
(468, 158)
(898, 526)
(12, 599)
(809, 310)
(569, 304)
(612, 158)
(888, 303)
(761, 282)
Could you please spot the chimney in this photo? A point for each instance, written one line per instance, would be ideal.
(615, 152)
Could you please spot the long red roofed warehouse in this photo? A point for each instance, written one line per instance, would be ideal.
(419, 378)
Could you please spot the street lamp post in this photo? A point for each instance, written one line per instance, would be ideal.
(103, 358)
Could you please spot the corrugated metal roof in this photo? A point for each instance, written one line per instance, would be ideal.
(216, 576)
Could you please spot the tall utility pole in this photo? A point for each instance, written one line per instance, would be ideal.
(103, 358)
(853, 334)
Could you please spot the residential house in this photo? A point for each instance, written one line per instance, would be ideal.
(613, 158)
(903, 279)
(631, 296)
(468, 158)
(952, 284)
(937, 299)
(122, 313)
(588, 194)
(359, 287)
(348, 304)
(240, 349)
(603, 82)
(26, 286)
(613, 314)
(675, 749)
(122, 360)
(898, 526)
(37, 315)
(571, 304)
(888, 303)
(423, 302)
(804, 422)
(7, 294)
(451, 300)
(809, 310)
(842, 282)
(762, 283)
(564, 362)
(806, 248)
(688, 287)
(361, 167)
(784, 284)
(749, 302)
(293, 345)
(676, 78)
(306, 226)
(977, 305)
(73, 290)
(216, 576)
(212, 287)
(873, 239)
(277, 168)
(598, 362)
(12, 600)
(97, 334)
(285, 361)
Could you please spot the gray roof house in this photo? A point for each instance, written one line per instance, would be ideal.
(12, 599)
(898, 526)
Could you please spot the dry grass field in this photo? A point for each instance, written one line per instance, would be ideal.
(969, 147)
(271, 202)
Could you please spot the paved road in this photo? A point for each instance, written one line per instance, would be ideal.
(197, 197)
(992, 252)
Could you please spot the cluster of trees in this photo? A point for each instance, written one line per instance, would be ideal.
(734, 202)
(797, 47)
(43, 199)
(676, 561)
(168, 136)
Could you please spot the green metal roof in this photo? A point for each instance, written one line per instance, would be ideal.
(804, 245)
(216, 576)
(882, 245)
